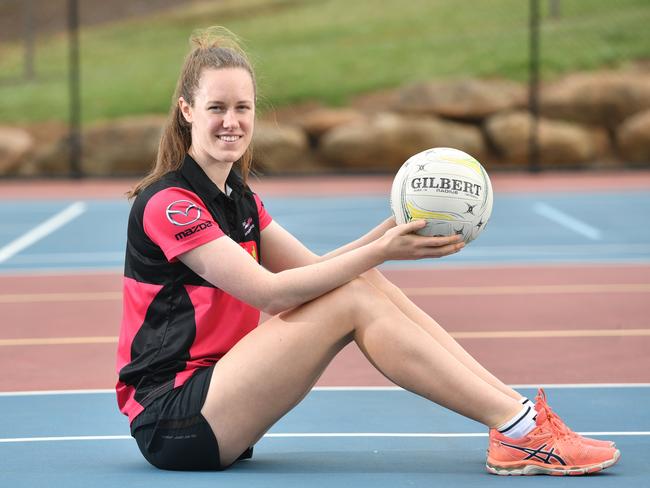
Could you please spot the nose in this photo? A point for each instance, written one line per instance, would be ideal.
(230, 120)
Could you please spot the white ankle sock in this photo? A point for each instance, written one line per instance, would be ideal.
(526, 401)
(521, 424)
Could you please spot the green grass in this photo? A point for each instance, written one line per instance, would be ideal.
(326, 50)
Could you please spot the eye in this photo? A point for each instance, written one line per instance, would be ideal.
(216, 108)
(243, 108)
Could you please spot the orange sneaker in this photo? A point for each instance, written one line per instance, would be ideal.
(547, 449)
(540, 400)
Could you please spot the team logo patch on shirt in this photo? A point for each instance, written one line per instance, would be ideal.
(251, 248)
(248, 225)
(193, 230)
(183, 212)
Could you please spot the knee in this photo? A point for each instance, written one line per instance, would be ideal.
(357, 289)
(381, 283)
(359, 294)
(347, 304)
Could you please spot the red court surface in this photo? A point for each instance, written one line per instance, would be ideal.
(574, 324)
(527, 324)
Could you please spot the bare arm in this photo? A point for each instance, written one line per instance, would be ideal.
(373, 235)
(226, 265)
(281, 250)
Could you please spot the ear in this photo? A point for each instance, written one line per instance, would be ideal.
(186, 109)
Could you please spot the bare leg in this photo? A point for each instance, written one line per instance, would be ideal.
(417, 315)
(269, 371)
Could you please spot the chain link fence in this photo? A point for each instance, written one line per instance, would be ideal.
(582, 70)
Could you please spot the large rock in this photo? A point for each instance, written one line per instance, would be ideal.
(560, 143)
(52, 158)
(15, 146)
(602, 98)
(50, 146)
(633, 138)
(387, 140)
(124, 146)
(281, 148)
(377, 101)
(469, 99)
(316, 122)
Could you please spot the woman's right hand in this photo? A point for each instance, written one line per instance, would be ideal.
(401, 243)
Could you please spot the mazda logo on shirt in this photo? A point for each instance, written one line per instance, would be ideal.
(183, 212)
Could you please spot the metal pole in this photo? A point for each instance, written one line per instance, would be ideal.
(74, 84)
(533, 89)
(28, 27)
(555, 9)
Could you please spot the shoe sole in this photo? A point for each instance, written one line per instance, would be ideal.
(534, 468)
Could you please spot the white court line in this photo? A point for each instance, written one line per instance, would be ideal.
(42, 230)
(535, 250)
(71, 257)
(567, 221)
(55, 392)
(324, 434)
(336, 388)
(303, 435)
(541, 385)
(69, 271)
(66, 438)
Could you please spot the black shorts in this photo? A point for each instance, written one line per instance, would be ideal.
(171, 432)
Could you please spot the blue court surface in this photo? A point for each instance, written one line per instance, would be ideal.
(525, 228)
(335, 437)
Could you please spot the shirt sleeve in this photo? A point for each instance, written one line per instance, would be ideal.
(264, 216)
(177, 221)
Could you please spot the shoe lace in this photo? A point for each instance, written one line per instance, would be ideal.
(558, 427)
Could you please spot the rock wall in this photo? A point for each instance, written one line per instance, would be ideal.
(589, 120)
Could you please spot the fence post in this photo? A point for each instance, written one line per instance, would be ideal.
(533, 88)
(74, 82)
(555, 9)
(28, 33)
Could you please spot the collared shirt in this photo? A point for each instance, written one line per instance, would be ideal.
(174, 321)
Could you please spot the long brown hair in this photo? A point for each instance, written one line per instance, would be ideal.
(214, 47)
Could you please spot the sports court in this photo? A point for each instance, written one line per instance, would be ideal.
(555, 292)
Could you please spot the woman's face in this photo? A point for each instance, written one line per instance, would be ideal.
(222, 116)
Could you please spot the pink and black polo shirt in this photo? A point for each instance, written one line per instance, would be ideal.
(174, 322)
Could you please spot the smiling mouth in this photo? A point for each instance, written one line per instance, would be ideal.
(229, 138)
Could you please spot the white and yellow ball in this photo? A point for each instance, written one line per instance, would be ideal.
(446, 187)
